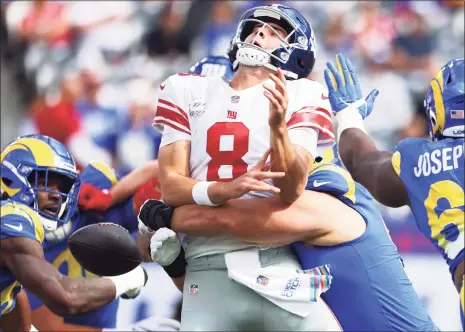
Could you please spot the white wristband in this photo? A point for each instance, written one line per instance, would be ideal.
(349, 117)
(200, 193)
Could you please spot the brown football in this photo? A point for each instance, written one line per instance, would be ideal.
(105, 249)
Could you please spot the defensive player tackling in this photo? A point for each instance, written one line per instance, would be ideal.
(426, 175)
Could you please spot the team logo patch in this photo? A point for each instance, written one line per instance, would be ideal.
(235, 99)
(262, 280)
(193, 289)
(232, 115)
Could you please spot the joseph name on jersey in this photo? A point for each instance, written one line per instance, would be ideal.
(433, 175)
(229, 131)
(441, 159)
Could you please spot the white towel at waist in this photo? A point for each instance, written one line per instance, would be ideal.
(292, 289)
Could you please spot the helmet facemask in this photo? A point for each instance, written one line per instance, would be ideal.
(61, 209)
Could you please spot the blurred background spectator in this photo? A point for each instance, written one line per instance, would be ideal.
(86, 73)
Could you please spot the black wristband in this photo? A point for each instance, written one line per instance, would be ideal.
(178, 267)
(155, 215)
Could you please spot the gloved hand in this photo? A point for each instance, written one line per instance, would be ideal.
(166, 250)
(154, 214)
(164, 246)
(344, 88)
(94, 199)
(128, 285)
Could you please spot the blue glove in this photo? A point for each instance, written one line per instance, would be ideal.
(344, 87)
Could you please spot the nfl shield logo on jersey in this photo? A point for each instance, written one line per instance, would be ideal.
(193, 289)
(262, 280)
(235, 99)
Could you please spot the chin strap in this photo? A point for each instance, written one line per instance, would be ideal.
(48, 224)
(285, 72)
(252, 57)
(60, 233)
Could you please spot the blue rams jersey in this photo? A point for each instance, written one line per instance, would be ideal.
(370, 290)
(433, 175)
(57, 252)
(17, 220)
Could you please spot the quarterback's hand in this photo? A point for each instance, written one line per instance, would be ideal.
(95, 199)
(277, 95)
(252, 181)
(344, 87)
(154, 214)
(164, 246)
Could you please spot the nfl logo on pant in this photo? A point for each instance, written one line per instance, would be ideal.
(193, 289)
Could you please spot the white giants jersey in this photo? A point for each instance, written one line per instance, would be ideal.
(229, 131)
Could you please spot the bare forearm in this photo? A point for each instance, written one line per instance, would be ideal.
(74, 296)
(177, 190)
(260, 221)
(128, 185)
(62, 295)
(354, 146)
(372, 168)
(285, 158)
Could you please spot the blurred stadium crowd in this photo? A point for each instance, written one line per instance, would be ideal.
(90, 69)
(87, 72)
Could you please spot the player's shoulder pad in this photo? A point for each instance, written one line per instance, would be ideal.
(331, 155)
(411, 144)
(308, 94)
(406, 151)
(100, 175)
(306, 83)
(19, 220)
(332, 179)
(180, 81)
(309, 88)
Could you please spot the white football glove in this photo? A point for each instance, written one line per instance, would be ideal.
(130, 283)
(164, 246)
